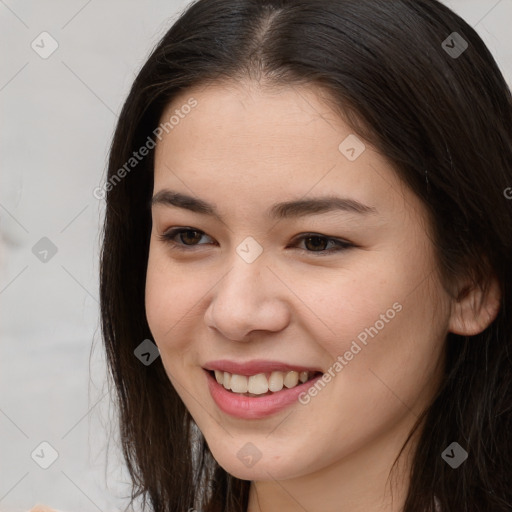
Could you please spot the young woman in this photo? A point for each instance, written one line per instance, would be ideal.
(306, 265)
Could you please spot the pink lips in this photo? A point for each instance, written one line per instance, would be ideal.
(252, 408)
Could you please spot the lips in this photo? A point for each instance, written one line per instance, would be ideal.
(257, 366)
(254, 408)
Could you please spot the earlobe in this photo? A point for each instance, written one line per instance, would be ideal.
(473, 311)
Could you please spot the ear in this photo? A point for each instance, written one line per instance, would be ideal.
(475, 308)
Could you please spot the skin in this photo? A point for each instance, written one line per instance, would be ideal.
(244, 148)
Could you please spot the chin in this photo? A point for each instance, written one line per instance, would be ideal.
(262, 470)
(259, 472)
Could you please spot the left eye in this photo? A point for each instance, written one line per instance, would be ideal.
(314, 242)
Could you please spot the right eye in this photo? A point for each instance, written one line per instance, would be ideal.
(187, 237)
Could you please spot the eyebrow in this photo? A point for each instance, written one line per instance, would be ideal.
(287, 209)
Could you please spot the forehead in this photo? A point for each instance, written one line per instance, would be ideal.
(254, 121)
(266, 144)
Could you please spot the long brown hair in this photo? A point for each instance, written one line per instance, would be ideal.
(443, 120)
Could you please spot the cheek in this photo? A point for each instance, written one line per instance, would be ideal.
(381, 317)
(176, 299)
(341, 309)
(169, 297)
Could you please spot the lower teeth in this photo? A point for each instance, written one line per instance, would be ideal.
(262, 394)
(252, 394)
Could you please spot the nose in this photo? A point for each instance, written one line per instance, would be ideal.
(248, 298)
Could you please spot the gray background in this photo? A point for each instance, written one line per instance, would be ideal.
(57, 119)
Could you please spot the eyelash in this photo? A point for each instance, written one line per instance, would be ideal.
(341, 245)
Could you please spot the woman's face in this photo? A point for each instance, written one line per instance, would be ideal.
(246, 284)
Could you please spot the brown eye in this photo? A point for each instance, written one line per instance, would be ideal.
(323, 245)
(187, 239)
(315, 243)
(182, 237)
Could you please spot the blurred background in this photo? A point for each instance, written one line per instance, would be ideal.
(67, 67)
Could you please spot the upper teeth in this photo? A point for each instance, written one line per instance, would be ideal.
(260, 384)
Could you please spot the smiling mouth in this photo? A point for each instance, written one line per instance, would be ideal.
(262, 384)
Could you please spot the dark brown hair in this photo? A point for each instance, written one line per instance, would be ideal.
(443, 121)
